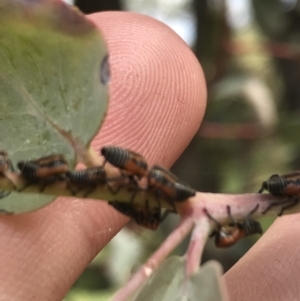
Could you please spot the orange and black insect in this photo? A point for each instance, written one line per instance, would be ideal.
(149, 218)
(45, 167)
(5, 165)
(226, 236)
(45, 170)
(165, 184)
(160, 180)
(283, 185)
(132, 163)
(91, 177)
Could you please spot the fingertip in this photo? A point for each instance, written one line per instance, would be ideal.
(158, 91)
(157, 102)
(268, 271)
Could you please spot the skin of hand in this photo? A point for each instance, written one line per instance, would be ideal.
(157, 101)
(271, 268)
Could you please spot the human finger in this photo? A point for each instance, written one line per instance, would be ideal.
(157, 102)
(270, 270)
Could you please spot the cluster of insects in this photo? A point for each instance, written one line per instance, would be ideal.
(160, 181)
(133, 168)
(287, 185)
(226, 236)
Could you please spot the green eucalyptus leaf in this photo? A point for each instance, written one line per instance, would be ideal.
(207, 284)
(169, 283)
(53, 85)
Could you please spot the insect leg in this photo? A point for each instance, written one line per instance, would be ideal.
(131, 201)
(251, 226)
(293, 201)
(48, 181)
(253, 210)
(273, 205)
(90, 190)
(25, 186)
(215, 232)
(69, 187)
(104, 162)
(233, 221)
(164, 215)
(247, 219)
(117, 178)
(219, 226)
(158, 194)
(43, 187)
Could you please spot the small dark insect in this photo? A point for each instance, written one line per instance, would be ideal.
(5, 165)
(132, 163)
(149, 218)
(45, 170)
(283, 185)
(91, 177)
(226, 236)
(166, 184)
(160, 180)
(44, 167)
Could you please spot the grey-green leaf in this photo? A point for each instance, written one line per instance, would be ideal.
(169, 283)
(53, 85)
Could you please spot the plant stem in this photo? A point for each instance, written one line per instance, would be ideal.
(153, 262)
